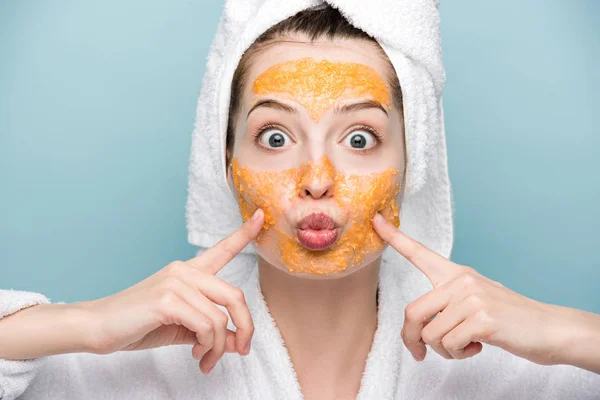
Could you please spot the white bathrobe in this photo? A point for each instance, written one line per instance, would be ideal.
(408, 30)
(267, 373)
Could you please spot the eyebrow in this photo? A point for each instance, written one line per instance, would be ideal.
(272, 104)
(347, 108)
(363, 105)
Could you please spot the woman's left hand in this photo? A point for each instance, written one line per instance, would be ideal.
(474, 309)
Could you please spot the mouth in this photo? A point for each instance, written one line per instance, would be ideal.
(317, 231)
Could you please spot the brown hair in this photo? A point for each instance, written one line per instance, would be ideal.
(316, 22)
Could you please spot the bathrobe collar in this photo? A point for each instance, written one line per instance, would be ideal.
(380, 377)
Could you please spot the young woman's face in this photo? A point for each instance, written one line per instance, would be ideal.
(319, 146)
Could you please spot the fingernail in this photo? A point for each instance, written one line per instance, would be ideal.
(247, 348)
(416, 358)
(256, 215)
(210, 369)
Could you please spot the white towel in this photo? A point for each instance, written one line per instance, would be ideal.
(409, 32)
(15, 375)
(12, 301)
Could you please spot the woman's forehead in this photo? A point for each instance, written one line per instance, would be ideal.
(334, 51)
(319, 75)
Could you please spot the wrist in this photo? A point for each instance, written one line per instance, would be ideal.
(60, 328)
(580, 340)
(79, 321)
(91, 338)
(43, 330)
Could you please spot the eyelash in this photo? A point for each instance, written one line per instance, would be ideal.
(270, 125)
(376, 135)
(256, 135)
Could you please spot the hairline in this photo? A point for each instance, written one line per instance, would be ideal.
(260, 48)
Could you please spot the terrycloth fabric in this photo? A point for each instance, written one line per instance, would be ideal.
(15, 300)
(15, 375)
(267, 373)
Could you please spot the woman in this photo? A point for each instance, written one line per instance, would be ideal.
(329, 140)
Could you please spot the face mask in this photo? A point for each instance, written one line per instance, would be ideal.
(358, 197)
(317, 86)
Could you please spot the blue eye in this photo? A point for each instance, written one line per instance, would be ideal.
(360, 140)
(274, 138)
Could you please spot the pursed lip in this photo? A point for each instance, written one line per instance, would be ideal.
(317, 231)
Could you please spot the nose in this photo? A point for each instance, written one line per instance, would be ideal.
(316, 190)
(317, 182)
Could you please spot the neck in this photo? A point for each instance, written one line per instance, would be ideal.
(327, 325)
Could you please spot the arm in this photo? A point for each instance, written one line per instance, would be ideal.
(466, 309)
(580, 344)
(176, 305)
(15, 376)
(42, 330)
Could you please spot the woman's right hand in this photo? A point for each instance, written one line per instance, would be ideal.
(177, 305)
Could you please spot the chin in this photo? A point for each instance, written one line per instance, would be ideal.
(316, 265)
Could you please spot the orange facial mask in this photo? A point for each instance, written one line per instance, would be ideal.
(359, 196)
(317, 86)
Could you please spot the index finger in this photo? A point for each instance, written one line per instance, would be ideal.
(215, 258)
(437, 268)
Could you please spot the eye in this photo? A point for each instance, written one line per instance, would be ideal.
(274, 138)
(360, 140)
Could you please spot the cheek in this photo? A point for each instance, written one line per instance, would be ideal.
(365, 195)
(272, 191)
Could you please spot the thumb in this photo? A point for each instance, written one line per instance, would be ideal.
(189, 337)
(230, 342)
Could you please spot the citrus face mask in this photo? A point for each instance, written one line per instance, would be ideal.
(318, 85)
(357, 197)
(353, 199)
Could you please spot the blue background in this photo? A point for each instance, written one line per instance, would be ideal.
(97, 104)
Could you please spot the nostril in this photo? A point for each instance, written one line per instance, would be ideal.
(316, 191)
